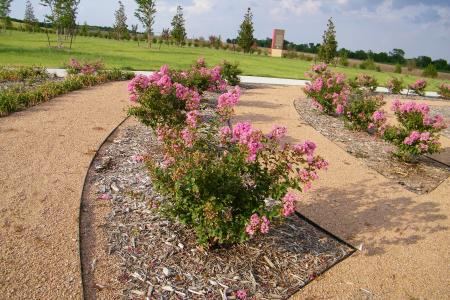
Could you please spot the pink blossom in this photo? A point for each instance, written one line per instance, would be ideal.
(187, 137)
(167, 161)
(253, 225)
(137, 158)
(264, 225)
(277, 132)
(105, 196)
(241, 294)
(339, 109)
(289, 204)
(306, 147)
(424, 136)
(192, 118)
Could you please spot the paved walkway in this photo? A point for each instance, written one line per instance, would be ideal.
(405, 237)
(44, 155)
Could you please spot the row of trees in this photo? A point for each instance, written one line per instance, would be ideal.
(328, 51)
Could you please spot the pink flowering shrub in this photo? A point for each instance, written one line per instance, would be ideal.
(201, 78)
(362, 113)
(328, 91)
(85, 68)
(444, 90)
(364, 81)
(226, 182)
(162, 101)
(395, 85)
(418, 87)
(418, 132)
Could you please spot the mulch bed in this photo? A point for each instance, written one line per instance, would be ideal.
(421, 177)
(159, 259)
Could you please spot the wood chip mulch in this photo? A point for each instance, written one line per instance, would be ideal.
(159, 259)
(421, 177)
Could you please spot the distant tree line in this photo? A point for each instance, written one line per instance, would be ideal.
(396, 56)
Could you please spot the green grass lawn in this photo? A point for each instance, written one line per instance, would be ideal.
(21, 48)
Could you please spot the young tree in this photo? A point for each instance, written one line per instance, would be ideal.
(134, 32)
(29, 18)
(328, 49)
(146, 14)
(178, 30)
(165, 37)
(63, 15)
(245, 37)
(120, 26)
(5, 9)
(84, 29)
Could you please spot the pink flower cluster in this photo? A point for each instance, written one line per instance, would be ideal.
(244, 134)
(289, 204)
(277, 133)
(409, 107)
(163, 80)
(418, 85)
(306, 147)
(86, 68)
(241, 294)
(444, 90)
(257, 224)
(378, 121)
(319, 68)
(328, 91)
(227, 101)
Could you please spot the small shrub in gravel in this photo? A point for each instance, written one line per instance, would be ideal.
(418, 132)
(230, 72)
(200, 77)
(418, 87)
(87, 68)
(328, 90)
(363, 81)
(444, 90)
(360, 112)
(395, 85)
(228, 183)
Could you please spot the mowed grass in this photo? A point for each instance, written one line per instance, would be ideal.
(21, 48)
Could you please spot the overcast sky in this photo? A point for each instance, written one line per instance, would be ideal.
(420, 27)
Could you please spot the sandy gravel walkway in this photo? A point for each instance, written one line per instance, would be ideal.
(405, 237)
(44, 154)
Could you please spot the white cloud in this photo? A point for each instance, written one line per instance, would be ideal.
(199, 6)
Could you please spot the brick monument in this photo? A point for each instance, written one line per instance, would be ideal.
(277, 42)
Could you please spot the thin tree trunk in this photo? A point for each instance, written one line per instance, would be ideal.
(48, 38)
(149, 39)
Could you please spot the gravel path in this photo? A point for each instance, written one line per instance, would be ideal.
(404, 237)
(44, 155)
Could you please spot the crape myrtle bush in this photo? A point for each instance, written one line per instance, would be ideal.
(200, 77)
(364, 81)
(328, 90)
(226, 182)
(444, 90)
(363, 112)
(418, 87)
(417, 132)
(230, 72)
(23, 73)
(87, 68)
(16, 98)
(395, 85)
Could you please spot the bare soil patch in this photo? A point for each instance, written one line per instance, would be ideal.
(421, 177)
(142, 254)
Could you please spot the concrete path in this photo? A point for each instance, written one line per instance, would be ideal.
(405, 237)
(44, 155)
(262, 80)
